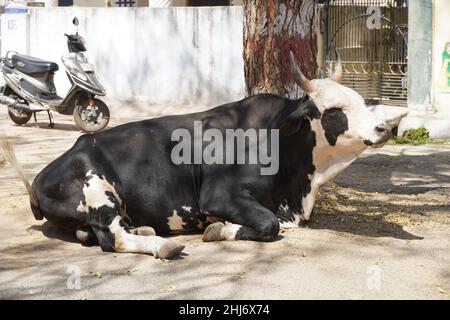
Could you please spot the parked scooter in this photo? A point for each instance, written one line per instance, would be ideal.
(30, 87)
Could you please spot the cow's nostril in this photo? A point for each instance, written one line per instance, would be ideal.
(381, 128)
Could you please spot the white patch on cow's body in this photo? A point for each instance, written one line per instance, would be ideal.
(308, 201)
(284, 206)
(288, 224)
(94, 190)
(154, 245)
(328, 162)
(186, 208)
(294, 220)
(175, 222)
(220, 231)
(292, 223)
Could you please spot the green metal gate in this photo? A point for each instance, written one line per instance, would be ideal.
(371, 38)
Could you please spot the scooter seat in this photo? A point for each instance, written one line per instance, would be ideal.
(31, 65)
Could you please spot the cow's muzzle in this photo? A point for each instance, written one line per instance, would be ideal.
(383, 132)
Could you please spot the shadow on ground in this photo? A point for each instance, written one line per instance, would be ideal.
(53, 232)
(379, 194)
(57, 126)
(403, 174)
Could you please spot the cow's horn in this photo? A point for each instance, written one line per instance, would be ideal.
(337, 74)
(299, 77)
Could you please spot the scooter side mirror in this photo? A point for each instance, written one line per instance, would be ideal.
(75, 21)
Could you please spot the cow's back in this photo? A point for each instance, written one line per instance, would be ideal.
(135, 159)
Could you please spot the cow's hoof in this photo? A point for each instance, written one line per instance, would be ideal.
(213, 232)
(143, 231)
(169, 249)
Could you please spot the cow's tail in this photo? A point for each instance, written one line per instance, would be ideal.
(9, 155)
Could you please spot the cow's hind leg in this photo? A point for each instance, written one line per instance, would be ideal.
(85, 234)
(246, 220)
(104, 211)
(115, 237)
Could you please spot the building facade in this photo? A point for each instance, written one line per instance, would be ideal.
(126, 3)
(396, 54)
(425, 70)
(429, 67)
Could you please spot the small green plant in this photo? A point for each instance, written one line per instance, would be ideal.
(414, 136)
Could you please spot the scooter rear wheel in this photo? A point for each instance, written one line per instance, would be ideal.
(19, 116)
(91, 117)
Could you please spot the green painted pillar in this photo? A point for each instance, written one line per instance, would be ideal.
(420, 48)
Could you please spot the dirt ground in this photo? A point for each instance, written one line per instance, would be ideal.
(380, 230)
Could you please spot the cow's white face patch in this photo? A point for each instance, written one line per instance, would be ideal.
(361, 122)
(97, 193)
(175, 222)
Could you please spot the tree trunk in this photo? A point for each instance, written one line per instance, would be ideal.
(272, 28)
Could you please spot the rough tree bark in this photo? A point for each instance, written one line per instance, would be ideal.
(272, 28)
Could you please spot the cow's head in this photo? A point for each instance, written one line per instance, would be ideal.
(342, 124)
(344, 118)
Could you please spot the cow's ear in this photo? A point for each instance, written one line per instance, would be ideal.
(293, 122)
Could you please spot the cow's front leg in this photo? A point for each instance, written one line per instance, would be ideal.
(143, 231)
(220, 231)
(246, 220)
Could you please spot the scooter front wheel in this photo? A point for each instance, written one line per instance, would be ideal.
(92, 116)
(19, 116)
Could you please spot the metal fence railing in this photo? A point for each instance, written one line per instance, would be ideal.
(371, 38)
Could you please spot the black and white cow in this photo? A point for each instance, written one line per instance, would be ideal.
(121, 188)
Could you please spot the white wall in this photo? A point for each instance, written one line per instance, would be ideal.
(14, 33)
(177, 55)
(167, 3)
(90, 3)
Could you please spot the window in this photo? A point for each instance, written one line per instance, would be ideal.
(125, 3)
(65, 3)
